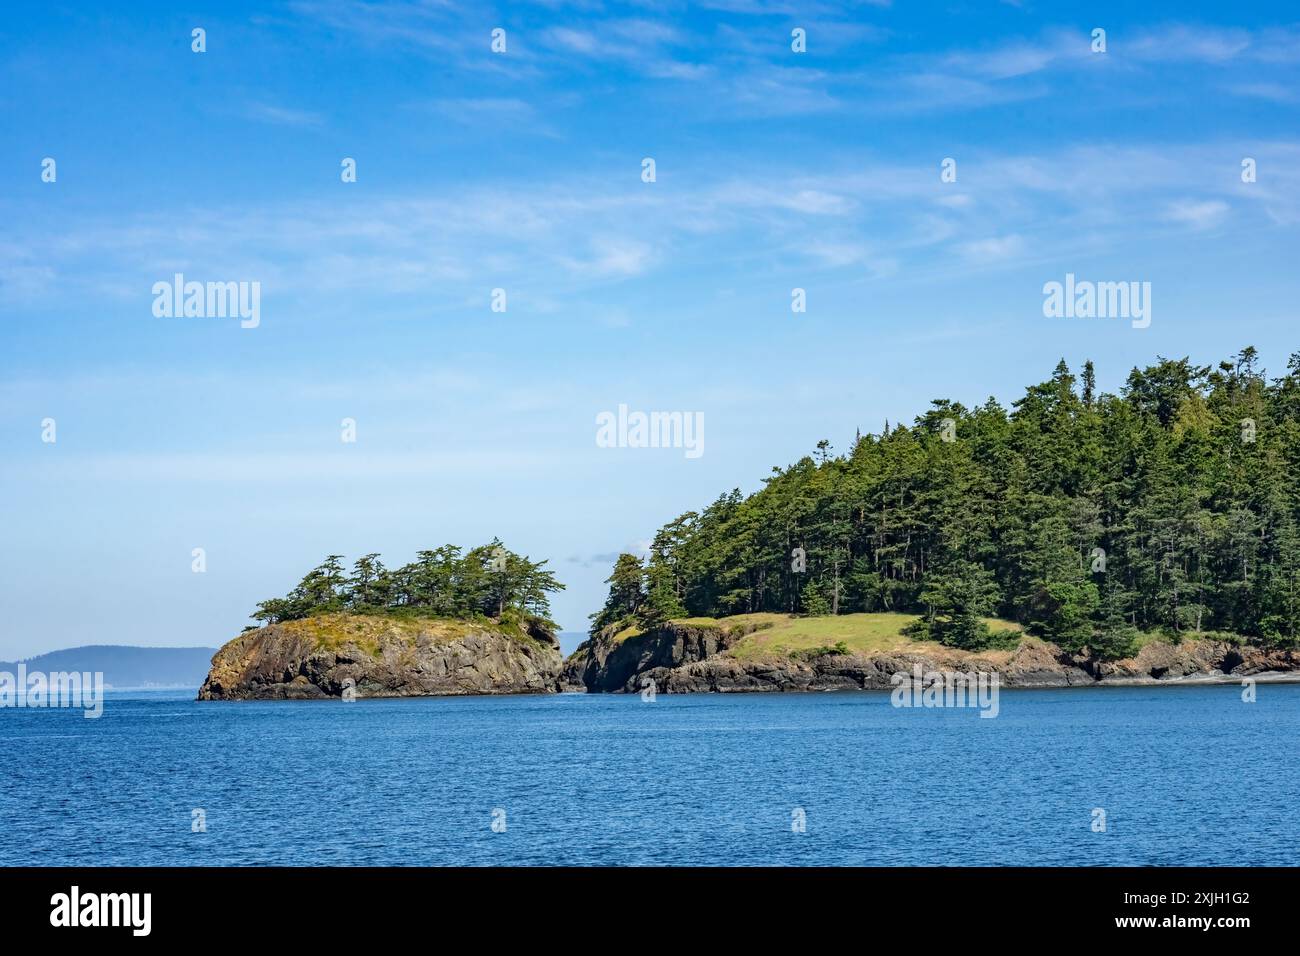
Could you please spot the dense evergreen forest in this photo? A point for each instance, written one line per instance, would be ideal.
(1173, 506)
(487, 581)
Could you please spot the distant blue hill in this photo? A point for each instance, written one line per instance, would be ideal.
(127, 666)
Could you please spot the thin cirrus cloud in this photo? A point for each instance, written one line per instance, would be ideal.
(993, 249)
(1202, 214)
(474, 109)
(1272, 92)
(282, 115)
(723, 69)
(612, 257)
(1029, 68)
(275, 468)
(493, 115)
(572, 232)
(432, 27)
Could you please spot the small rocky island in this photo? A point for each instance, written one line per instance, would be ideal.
(448, 623)
(376, 656)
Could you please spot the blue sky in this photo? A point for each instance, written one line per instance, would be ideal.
(522, 171)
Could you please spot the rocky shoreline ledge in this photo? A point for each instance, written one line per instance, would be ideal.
(687, 658)
(341, 654)
(378, 656)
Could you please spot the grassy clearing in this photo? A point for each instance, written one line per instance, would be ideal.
(781, 635)
(861, 633)
(332, 632)
(628, 632)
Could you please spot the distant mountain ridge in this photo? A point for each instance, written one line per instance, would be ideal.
(125, 666)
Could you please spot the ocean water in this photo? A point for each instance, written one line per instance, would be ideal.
(1185, 775)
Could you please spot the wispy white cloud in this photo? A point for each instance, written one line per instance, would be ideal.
(1201, 214)
(274, 468)
(770, 91)
(576, 41)
(612, 256)
(1272, 92)
(428, 25)
(557, 237)
(1019, 57)
(730, 68)
(1186, 44)
(474, 108)
(993, 248)
(282, 115)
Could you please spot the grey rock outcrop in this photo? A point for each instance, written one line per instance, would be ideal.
(325, 657)
(685, 658)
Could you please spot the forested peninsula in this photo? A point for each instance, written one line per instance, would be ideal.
(1087, 524)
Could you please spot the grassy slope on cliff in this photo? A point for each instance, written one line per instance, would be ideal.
(366, 631)
(780, 635)
(784, 634)
(864, 634)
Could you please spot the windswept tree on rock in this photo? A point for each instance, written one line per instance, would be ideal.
(627, 593)
(489, 581)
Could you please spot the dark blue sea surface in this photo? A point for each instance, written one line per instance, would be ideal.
(1185, 775)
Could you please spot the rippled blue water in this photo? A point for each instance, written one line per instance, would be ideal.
(1186, 775)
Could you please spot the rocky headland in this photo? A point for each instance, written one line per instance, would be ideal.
(694, 656)
(329, 655)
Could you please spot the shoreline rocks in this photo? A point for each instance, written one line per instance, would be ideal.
(332, 655)
(684, 658)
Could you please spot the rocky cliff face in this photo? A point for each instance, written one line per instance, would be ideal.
(682, 658)
(321, 657)
(608, 663)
